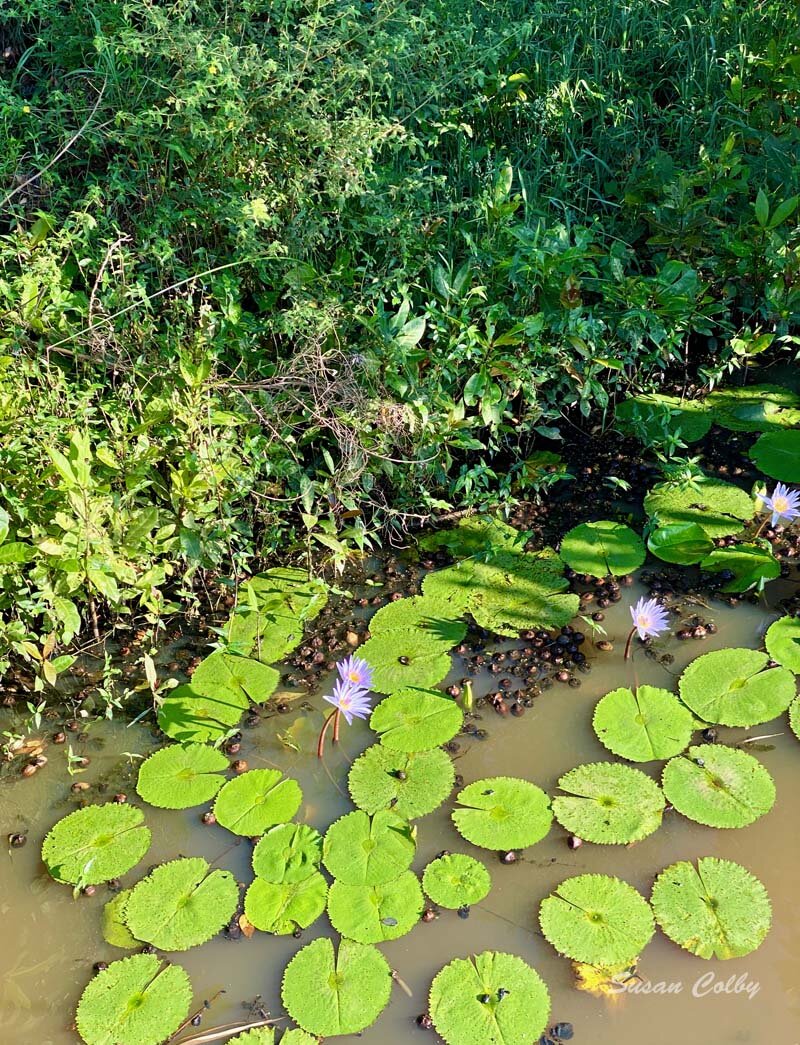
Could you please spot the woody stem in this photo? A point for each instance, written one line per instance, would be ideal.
(323, 731)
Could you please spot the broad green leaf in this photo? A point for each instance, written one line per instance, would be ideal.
(16, 553)
(368, 850)
(680, 543)
(416, 720)
(794, 716)
(751, 564)
(375, 913)
(777, 454)
(256, 800)
(178, 776)
(472, 536)
(718, 786)
(609, 803)
(503, 813)
(732, 687)
(248, 678)
(95, 844)
(288, 853)
(602, 548)
(412, 784)
(115, 928)
(718, 508)
(406, 657)
(643, 724)
(655, 418)
(783, 642)
(189, 716)
(754, 408)
(431, 616)
(283, 908)
(456, 880)
(257, 1036)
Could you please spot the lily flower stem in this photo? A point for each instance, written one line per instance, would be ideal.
(323, 731)
(631, 633)
(337, 717)
(761, 527)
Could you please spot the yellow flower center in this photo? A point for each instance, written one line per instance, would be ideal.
(353, 676)
(780, 504)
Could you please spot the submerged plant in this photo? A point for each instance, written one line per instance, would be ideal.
(649, 620)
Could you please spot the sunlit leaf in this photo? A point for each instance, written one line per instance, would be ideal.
(456, 880)
(503, 813)
(368, 850)
(95, 844)
(783, 642)
(288, 853)
(178, 777)
(412, 784)
(256, 800)
(600, 548)
(609, 803)
(375, 913)
(718, 508)
(416, 720)
(735, 688)
(719, 786)
(281, 909)
(643, 724)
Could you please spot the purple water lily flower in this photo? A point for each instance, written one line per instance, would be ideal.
(356, 671)
(649, 617)
(353, 701)
(783, 503)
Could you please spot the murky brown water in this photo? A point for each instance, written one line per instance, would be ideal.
(51, 942)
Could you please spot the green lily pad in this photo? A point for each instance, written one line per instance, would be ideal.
(643, 724)
(503, 813)
(680, 543)
(732, 687)
(489, 999)
(328, 994)
(652, 418)
(597, 919)
(181, 904)
(406, 657)
(96, 844)
(141, 1000)
(410, 783)
(718, 508)
(600, 548)
(716, 910)
(295, 1036)
(189, 716)
(281, 909)
(515, 591)
(451, 587)
(368, 850)
(429, 615)
(273, 608)
(783, 642)
(178, 776)
(375, 913)
(719, 786)
(256, 800)
(609, 803)
(471, 536)
(243, 675)
(288, 854)
(456, 881)
(257, 1036)
(416, 720)
(754, 408)
(115, 928)
(751, 564)
(777, 454)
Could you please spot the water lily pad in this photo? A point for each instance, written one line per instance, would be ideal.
(115, 928)
(732, 687)
(328, 994)
(643, 724)
(451, 587)
(375, 913)
(489, 999)
(281, 909)
(680, 543)
(256, 800)
(257, 1036)
(794, 716)
(430, 615)
(95, 844)
(503, 813)
(141, 1000)
(783, 642)
(272, 610)
(189, 716)
(456, 881)
(411, 783)
(609, 803)
(248, 678)
(752, 565)
(597, 919)
(181, 776)
(416, 720)
(406, 657)
(719, 786)
(777, 454)
(514, 592)
(652, 418)
(295, 1036)
(181, 904)
(754, 408)
(288, 853)
(471, 536)
(600, 548)
(718, 508)
(368, 850)
(716, 910)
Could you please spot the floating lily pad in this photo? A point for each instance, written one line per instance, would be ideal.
(783, 642)
(328, 994)
(503, 813)
(288, 853)
(716, 910)
(406, 657)
(410, 783)
(431, 616)
(597, 919)
(256, 800)
(368, 850)
(643, 724)
(609, 803)
(451, 586)
(794, 716)
(273, 608)
(257, 1036)
(471, 536)
(652, 418)
(295, 1036)
(489, 999)
(719, 786)
(95, 844)
(281, 909)
(375, 913)
(456, 881)
(189, 716)
(680, 543)
(777, 454)
(416, 720)
(178, 776)
(140, 1000)
(718, 508)
(754, 408)
(600, 548)
(752, 565)
(115, 928)
(181, 904)
(732, 687)
(245, 676)
(514, 592)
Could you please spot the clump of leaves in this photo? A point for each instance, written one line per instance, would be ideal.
(140, 1000)
(777, 454)
(95, 844)
(609, 803)
(412, 784)
(715, 910)
(783, 642)
(272, 611)
(368, 850)
(283, 908)
(735, 688)
(489, 998)
(256, 800)
(472, 536)
(189, 716)
(181, 776)
(652, 417)
(719, 786)
(600, 548)
(416, 720)
(596, 919)
(430, 615)
(456, 880)
(643, 724)
(503, 813)
(375, 913)
(288, 853)
(406, 657)
(717, 507)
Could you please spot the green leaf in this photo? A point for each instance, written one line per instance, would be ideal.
(140, 1000)
(655, 418)
(754, 408)
(273, 609)
(181, 904)
(751, 565)
(794, 716)
(597, 919)
(288, 853)
(368, 850)
(643, 724)
(777, 454)
(431, 616)
(719, 786)
(257, 1036)
(718, 508)
(283, 908)
(295, 1036)
(783, 642)
(16, 553)
(248, 678)
(256, 800)
(515, 1013)
(115, 928)
(609, 803)
(328, 994)
(600, 548)
(189, 716)
(680, 543)
(456, 881)
(473, 535)
(412, 784)
(406, 657)
(95, 844)
(503, 813)
(178, 777)
(716, 910)
(761, 208)
(416, 720)
(375, 913)
(730, 686)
